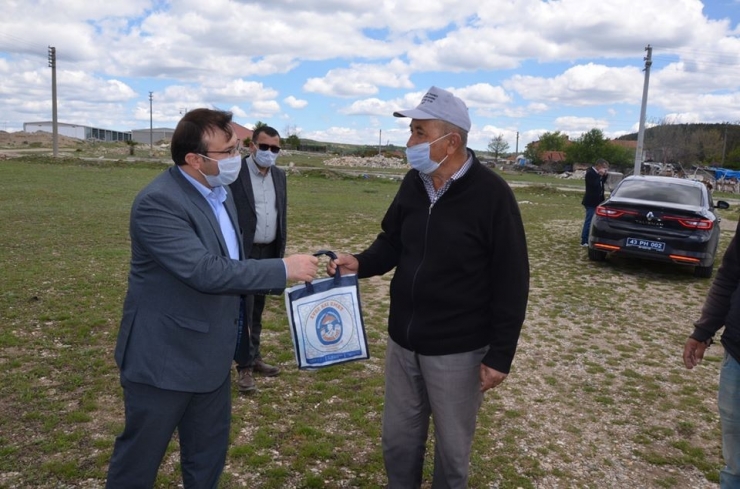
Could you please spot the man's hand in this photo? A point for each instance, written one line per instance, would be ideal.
(301, 267)
(490, 378)
(693, 352)
(347, 264)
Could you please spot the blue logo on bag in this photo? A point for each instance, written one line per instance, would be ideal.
(329, 326)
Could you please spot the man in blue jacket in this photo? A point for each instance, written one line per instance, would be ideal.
(455, 237)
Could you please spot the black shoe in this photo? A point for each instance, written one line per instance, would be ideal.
(261, 367)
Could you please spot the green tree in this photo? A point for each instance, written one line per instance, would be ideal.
(131, 143)
(732, 159)
(549, 141)
(530, 152)
(293, 141)
(257, 125)
(619, 157)
(591, 146)
(707, 145)
(553, 141)
(498, 145)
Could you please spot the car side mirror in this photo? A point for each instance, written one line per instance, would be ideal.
(721, 204)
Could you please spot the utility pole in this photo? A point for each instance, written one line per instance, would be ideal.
(643, 108)
(54, 123)
(380, 140)
(151, 129)
(724, 146)
(517, 144)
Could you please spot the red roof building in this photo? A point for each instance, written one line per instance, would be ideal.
(242, 132)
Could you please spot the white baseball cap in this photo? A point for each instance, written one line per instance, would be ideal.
(441, 105)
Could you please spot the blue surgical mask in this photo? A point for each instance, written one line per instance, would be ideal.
(265, 159)
(419, 157)
(228, 170)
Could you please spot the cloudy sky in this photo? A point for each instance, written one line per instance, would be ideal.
(335, 70)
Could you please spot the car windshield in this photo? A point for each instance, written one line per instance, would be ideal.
(660, 192)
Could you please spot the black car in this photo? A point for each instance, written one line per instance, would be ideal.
(658, 218)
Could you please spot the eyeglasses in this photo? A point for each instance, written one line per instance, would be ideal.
(231, 152)
(265, 147)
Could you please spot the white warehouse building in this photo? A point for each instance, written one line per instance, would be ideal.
(157, 134)
(77, 131)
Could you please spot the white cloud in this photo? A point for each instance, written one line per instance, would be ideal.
(483, 95)
(345, 134)
(360, 80)
(295, 103)
(264, 108)
(239, 89)
(524, 65)
(590, 84)
(370, 106)
(580, 125)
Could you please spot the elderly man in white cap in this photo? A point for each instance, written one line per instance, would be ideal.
(455, 237)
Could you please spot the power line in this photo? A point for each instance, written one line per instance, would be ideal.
(19, 45)
(704, 58)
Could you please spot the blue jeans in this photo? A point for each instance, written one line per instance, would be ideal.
(587, 224)
(729, 415)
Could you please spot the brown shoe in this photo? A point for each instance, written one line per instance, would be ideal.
(261, 367)
(245, 381)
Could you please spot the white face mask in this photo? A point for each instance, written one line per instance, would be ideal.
(265, 159)
(419, 158)
(228, 170)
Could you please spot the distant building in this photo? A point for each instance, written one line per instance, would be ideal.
(155, 135)
(77, 131)
(553, 156)
(141, 136)
(242, 133)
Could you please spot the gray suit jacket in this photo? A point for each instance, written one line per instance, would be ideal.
(179, 324)
(244, 199)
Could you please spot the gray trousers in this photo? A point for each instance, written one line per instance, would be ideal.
(445, 387)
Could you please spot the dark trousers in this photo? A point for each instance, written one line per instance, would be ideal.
(152, 414)
(248, 348)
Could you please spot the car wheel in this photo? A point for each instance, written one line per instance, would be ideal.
(596, 255)
(703, 272)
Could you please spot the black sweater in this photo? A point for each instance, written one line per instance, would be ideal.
(462, 270)
(722, 305)
(594, 188)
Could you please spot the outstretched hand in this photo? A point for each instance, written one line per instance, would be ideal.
(301, 267)
(347, 264)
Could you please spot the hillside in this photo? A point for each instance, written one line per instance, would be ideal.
(22, 139)
(710, 144)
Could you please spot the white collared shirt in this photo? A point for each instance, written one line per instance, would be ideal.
(216, 198)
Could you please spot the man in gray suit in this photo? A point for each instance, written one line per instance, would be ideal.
(261, 197)
(180, 316)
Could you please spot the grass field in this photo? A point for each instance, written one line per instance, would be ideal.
(597, 396)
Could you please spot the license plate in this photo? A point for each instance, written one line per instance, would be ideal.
(645, 244)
